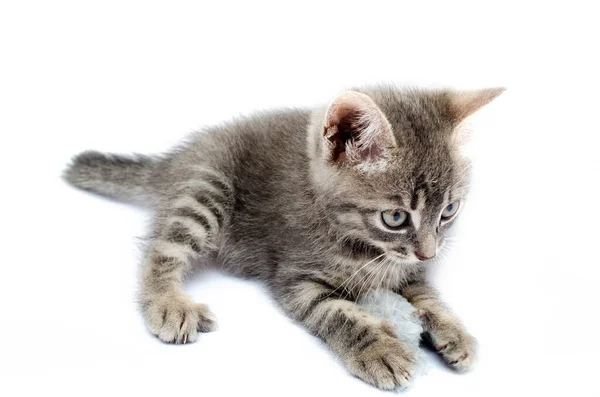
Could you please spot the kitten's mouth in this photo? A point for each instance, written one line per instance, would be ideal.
(422, 257)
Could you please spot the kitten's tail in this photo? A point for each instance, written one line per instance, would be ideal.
(126, 178)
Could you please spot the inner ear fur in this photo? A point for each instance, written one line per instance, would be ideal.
(356, 130)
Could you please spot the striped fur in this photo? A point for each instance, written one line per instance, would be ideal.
(294, 198)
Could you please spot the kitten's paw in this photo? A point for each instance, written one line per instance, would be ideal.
(177, 319)
(386, 363)
(457, 347)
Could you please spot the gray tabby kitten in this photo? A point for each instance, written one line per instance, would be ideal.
(322, 205)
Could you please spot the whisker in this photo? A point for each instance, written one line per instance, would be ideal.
(355, 273)
(367, 281)
(374, 276)
(385, 273)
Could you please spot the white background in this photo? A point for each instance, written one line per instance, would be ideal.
(138, 76)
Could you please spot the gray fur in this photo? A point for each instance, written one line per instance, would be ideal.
(128, 178)
(292, 197)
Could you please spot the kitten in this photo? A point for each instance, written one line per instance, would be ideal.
(322, 205)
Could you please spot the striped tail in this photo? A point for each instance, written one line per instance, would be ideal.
(125, 178)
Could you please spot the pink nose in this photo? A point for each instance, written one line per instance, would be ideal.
(422, 257)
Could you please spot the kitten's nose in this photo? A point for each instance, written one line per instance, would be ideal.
(426, 247)
(423, 257)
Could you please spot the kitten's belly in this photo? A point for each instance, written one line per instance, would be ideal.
(250, 257)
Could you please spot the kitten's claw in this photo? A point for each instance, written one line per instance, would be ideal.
(177, 320)
(386, 363)
(456, 347)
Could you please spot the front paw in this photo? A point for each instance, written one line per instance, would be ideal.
(175, 319)
(384, 362)
(457, 347)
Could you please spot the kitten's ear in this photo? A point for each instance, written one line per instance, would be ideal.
(465, 103)
(356, 130)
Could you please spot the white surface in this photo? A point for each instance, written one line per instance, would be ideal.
(138, 76)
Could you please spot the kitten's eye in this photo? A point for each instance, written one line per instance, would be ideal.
(450, 210)
(394, 218)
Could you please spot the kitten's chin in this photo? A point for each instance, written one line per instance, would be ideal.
(403, 259)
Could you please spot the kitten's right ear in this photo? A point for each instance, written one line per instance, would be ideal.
(465, 103)
(356, 130)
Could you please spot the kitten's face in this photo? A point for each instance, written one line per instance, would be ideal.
(407, 210)
(392, 169)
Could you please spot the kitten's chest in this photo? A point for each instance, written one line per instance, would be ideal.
(360, 276)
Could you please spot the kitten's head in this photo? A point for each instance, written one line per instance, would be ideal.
(389, 166)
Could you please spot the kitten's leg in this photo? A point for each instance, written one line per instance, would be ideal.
(186, 229)
(448, 336)
(367, 345)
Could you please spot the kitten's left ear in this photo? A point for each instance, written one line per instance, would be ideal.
(356, 131)
(465, 103)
